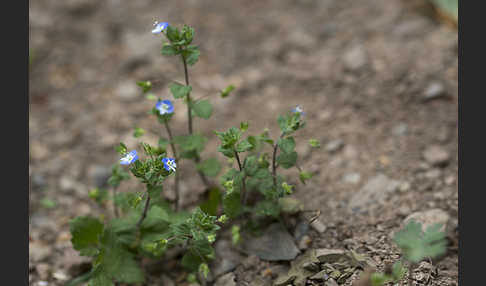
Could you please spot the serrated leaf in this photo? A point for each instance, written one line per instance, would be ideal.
(191, 261)
(155, 191)
(101, 279)
(145, 85)
(202, 108)
(243, 126)
(304, 176)
(225, 92)
(169, 50)
(232, 205)
(192, 55)
(287, 160)
(287, 145)
(210, 206)
(86, 232)
(210, 167)
(243, 146)
(417, 245)
(117, 262)
(156, 217)
(314, 143)
(179, 90)
(138, 132)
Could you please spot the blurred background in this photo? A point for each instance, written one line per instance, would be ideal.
(377, 80)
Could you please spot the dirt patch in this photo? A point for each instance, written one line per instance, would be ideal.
(362, 70)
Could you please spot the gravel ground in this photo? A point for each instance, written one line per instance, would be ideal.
(377, 80)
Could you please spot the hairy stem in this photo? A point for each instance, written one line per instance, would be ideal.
(144, 214)
(174, 151)
(115, 209)
(245, 193)
(197, 159)
(274, 165)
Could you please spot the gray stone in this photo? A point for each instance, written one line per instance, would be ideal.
(355, 58)
(301, 229)
(318, 225)
(331, 282)
(44, 270)
(436, 155)
(352, 178)
(38, 181)
(433, 91)
(334, 145)
(433, 173)
(38, 252)
(311, 266)
(373, 193)
(275, 244)
(284, 280)
(320, 276)
(100, 175)
(226, 280)
(400, 129)
(226, 258)
(67, 184)
(429, 218)
(305, 242)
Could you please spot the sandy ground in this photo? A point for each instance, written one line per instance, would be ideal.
(377, 80)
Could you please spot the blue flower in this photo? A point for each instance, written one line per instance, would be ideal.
(129, 158)
(164, 107)
(169, 164)
(299, 110)
(159, 27)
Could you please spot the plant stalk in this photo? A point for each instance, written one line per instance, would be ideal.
(115, 209)
(245, 193)
(174, 151)
(144, 214)
(197, 159)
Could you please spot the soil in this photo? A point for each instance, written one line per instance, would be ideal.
(362, 70)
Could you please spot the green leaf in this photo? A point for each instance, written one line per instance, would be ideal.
(417, 245)
(192, 55)
(210, 206)
(379, 279)
(101, 279)
(154, 191)
(202, 108)
(210, 167)
(231, 204)
(290, 205)
(179, 90)
(267, 208)
(48, 203)
(121, 149)
(251, 165)
(228, 152)
(145, 85)
(243, 126)
(398, 271)
(314, 143)
(151, 96)
(190, 144)
(287, 145)
(163, 142)
(86, 232)
(287, 160)
(235, 234)
(243, 146)
(173, 34)
(191, 261)
(138, 132)
(169, 50)
(117, 262)
(304, 176)
(225, 92)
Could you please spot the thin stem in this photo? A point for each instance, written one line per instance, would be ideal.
(274, 165)
(245, 193)
(174, 151)
(186, 76)
(115, 209)
(144, 214)
(189, 116)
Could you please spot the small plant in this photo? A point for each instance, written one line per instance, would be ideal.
(144, 223)
(416, 245)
